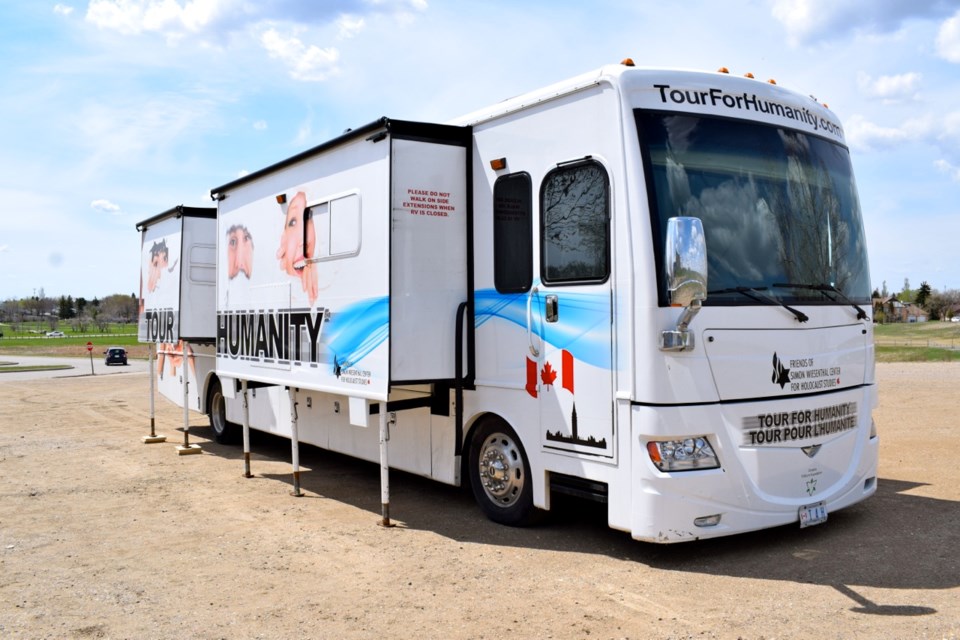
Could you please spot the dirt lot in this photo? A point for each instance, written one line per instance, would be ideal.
(102, 536)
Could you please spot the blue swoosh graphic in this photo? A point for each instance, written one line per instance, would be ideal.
(358, 329)
(584, 330)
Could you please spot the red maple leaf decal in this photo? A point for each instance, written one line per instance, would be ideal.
(548, 375)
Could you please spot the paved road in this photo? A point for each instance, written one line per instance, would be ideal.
(79, 367)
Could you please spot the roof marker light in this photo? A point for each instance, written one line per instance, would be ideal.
(748, 75)
(498, 163)
(723, 70)
(627, 62)
(772, 81)
(282, 198)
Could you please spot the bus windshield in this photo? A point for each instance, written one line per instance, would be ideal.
(779, 208)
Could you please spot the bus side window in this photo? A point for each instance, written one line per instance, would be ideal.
(575, 224)
(512, 233)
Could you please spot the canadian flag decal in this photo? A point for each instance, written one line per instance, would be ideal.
(566, 371)
(531, 377)
(548, 375)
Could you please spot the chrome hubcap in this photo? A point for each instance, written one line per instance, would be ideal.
(501, 469)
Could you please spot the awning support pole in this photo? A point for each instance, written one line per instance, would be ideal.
(295, 443)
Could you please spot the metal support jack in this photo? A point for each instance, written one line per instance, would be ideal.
(153, 437)
(246, 430)
(186, 448)
(295, 443)
(385, 421)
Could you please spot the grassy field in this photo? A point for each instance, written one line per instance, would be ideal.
(917, 342)
(31, 339)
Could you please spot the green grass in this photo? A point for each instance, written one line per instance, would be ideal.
(42, 367)
(31, 339)
(110, 340)
(916, 354)
(932, 341)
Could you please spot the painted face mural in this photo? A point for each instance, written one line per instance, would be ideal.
(159, 259)
(294, 251)
(239, 252)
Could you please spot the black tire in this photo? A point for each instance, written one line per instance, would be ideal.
(500, 475)
(224, 432)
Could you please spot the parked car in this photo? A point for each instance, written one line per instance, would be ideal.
(955, 319)
(115, 355)
(54, 334)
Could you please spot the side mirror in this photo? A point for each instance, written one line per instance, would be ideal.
(685, 264)
(685, 261)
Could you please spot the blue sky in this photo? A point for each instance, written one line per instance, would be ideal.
(115, 110)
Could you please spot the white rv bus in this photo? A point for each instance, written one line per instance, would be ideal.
(177, 315)
(639, 286)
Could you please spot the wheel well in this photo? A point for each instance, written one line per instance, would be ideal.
(208, 393)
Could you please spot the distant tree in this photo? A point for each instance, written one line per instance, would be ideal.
(884, 292)
(97, 317)
(12, 312)
(943, 304)
(119, 308)
(923, 293)
(66, 308)
(80, 323)
(81, 305)
(878, 315)
(908, 294)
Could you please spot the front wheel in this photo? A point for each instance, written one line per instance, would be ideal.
(224, 432)
(500, 475)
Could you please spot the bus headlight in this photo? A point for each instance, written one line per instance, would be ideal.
(689, 454)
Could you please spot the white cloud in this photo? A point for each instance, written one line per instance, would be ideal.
(941, 131)
(62, 9)
(349, 26)
(304, 133)
(164, 16)
(4, 248)
(305, 62)
(105, 206)
(946, 135)
(176, 18)
(948, 39)
(811, 20)
(949, 169)
(890, 88)
(137, 129)
(868, 136)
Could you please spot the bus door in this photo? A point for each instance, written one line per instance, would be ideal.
(570, 312)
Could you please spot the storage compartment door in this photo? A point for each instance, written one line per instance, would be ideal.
(428, 267)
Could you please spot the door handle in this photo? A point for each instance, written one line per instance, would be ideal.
(553, 309)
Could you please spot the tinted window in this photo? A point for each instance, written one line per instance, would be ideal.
(778, 206)
(512, 231)
(575, 238)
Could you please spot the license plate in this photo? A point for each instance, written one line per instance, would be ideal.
(813, 514)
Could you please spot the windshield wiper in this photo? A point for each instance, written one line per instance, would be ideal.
(756, 293)
(861, 314)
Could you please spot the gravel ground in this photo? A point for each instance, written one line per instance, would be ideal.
(102, 536)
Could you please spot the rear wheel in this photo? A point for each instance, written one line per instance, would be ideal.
(500, 475)
(224, 432)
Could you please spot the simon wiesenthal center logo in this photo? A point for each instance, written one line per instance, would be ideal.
(781, 375)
